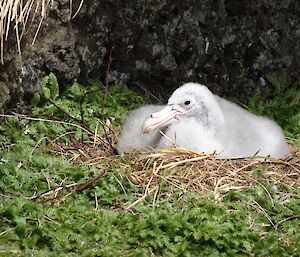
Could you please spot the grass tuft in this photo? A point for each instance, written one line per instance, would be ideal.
(19, 15)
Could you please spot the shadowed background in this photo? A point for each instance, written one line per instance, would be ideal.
(230, 46)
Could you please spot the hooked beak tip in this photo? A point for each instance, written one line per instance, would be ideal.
(160, 119)
(144, 130)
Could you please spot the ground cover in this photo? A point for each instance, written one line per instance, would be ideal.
(65, 192)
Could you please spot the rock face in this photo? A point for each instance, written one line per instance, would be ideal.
(230, 46)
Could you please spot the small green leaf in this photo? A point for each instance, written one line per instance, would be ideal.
(35, 99)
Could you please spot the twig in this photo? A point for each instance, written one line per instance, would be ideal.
(3, 232)
(90, 182)
(174, 164)
(106, 87)
(72, 188)
(22, 116)
(264, 212)
(96, 202)
(142, 198)
(107, 72)
(82, 122)
(108, 139)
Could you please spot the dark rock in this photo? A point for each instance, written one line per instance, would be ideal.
(231, 46)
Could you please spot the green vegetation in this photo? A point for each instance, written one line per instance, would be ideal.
(282, 105)
(47, 207)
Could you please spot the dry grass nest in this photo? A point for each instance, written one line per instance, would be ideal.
(178, 168)
(194, 172)
(181, 169)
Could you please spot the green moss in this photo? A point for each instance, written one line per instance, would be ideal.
(261, 221)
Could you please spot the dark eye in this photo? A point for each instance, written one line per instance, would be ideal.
(187, 102)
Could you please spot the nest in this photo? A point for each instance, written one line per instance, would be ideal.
(193, 172)
(178, 168)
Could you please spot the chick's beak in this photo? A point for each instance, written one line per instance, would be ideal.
(163, 118)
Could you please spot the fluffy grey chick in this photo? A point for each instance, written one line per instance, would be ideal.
(132, 137)
(198, 120)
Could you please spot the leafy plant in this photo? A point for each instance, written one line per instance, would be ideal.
(282, 104)
(85, 103)
(80, 109)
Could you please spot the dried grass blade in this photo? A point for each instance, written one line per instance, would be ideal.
(18, 42)
(174, 164)
(8, 14)
(141, 198)
(43, 8)
(78, 10)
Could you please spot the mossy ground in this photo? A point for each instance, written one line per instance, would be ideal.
(64, 192)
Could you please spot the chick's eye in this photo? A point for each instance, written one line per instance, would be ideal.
(187, 102)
